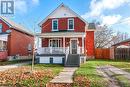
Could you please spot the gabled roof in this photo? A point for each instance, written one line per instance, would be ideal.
(124, 41)
(91, 26)
(16, 26)
(40, 24)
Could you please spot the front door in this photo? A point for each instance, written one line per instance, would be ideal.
(73, 46)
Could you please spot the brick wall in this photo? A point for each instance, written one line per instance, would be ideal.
(90, 43)
(79, 25)
(18, 43)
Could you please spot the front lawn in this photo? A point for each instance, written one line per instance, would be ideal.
(88, 73)
(2, 63)
(22, 77)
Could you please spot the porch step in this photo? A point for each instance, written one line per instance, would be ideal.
(73, 60)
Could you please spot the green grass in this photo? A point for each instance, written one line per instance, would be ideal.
(54, 67)
(88, 70)
(123, 81)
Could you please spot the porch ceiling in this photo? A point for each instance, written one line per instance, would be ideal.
(3, 37)
(61, 34)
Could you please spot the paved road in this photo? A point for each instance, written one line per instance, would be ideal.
(66, 76)
(6, 67)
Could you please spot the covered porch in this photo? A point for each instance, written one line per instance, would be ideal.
(61, 43)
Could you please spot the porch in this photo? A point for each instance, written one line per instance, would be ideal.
(61, 43)
(61, 48)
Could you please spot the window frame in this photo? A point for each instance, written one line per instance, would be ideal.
(53, 24)
(59, 44)
(1, 27)
(73, 23)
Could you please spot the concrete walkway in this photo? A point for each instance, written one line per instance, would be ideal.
(6, 67)
(66, 76)
(109, 71)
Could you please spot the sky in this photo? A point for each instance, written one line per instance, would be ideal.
(113, 13)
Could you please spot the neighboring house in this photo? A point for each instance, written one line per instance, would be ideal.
(66, 38)
(14, 39)
(3, 45)
(122, 44)
(120, 50)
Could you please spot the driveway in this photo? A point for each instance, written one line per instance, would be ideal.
(109, 71)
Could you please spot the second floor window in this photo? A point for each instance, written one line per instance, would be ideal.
(55, 25)
(71, 24)
(0, 27)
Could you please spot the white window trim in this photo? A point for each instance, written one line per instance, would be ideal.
(73, 23)
(59, 42)
(52, 24)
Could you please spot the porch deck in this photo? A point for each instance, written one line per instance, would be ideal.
(60, 55)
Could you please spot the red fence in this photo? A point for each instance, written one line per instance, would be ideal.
(3, 55)
(102, 53)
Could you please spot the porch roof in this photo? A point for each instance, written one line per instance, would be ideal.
(61, 34)
(4, 36)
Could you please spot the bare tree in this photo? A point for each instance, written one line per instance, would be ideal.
(120, 36)
(103, 37)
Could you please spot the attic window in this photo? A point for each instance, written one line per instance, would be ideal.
(71, 24)
(55, 25)
(0, 27)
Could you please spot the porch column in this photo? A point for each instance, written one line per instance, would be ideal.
(38, 42)
(82, 44)
(64, 43)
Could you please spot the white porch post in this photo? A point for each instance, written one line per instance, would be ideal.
(2, 45)
(64, 43)
(82, 44)
(38, 42)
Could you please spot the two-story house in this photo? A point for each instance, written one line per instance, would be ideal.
(14, 40)
(66, 38)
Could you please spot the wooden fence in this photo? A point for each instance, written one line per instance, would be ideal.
(122, 53)
(102, 53)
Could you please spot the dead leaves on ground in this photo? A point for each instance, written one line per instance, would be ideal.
(17, 75)
(79, 81)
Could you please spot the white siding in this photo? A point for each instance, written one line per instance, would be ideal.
(62, 12)
(57, 60)
(44, 60)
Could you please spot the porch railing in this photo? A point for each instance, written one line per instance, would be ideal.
(52, 50)
(57, 50)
